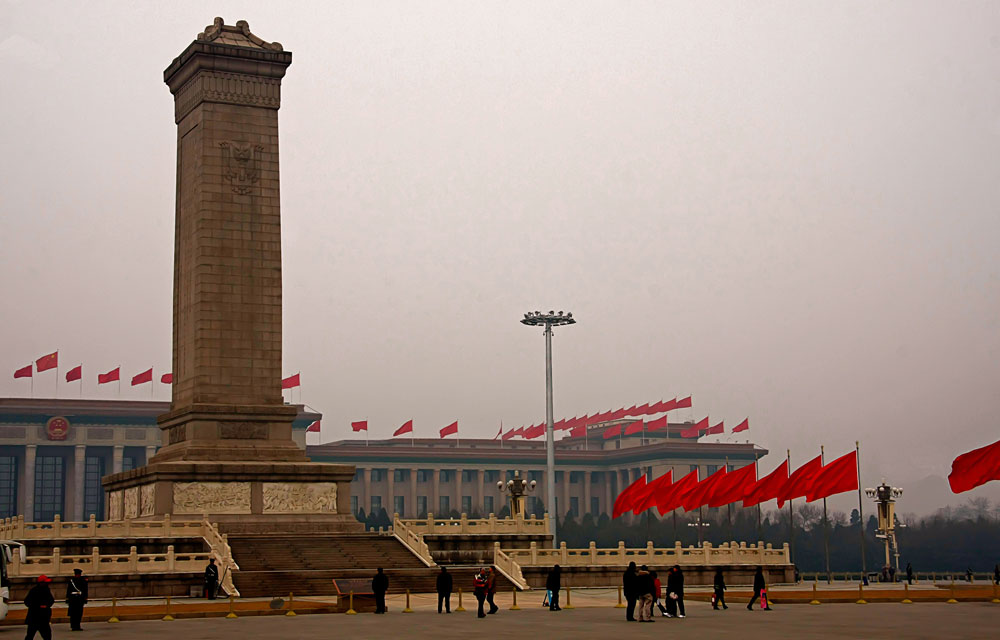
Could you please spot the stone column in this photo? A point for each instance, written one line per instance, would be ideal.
(477, 493)
(412, 507)
(118, 453)
(608, 500)
(150, 452)
(389, 502)
(586, 492)
(29, 482)
(435, 506)
(564, 494)
(79, 467)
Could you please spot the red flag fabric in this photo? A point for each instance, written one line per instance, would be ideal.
(76, 373)
(24, 372)
(499, 433)
(578, 432)
(717, 429)
(450, 429)
(800, 481)
(656, 425)
(313, 428)
(513, 432)
(646, 498)
(534, 432)
(143, 378)
(642, 409)
(291, 381)
(743, 426)
(695, 430)
(110, 376)
(734, 487)
(673, 496)
(767, 488)
(612, 432)
(623, 501)
(360, 425)
(669, 405)
(45, 363)
(167, 378)
(617, 414)
(837, 477)
(634, 427)
(407, 427)
(975, 468)
(683, 403)
(698, 496)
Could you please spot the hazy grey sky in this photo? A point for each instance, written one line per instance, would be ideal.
(787, 210)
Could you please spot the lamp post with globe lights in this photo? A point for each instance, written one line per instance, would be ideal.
(517, 487)
(549, 320)
(884, 497)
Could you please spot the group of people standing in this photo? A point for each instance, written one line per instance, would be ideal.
(39, 603)
(641, 586)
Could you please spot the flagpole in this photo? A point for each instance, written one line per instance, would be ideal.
(81, 379)
(826, 523)
(57, 373)
(729, 508)
(861, 514)
(791, 517)
(119, 381)
(756, 473)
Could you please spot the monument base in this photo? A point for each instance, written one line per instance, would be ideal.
(241, 497)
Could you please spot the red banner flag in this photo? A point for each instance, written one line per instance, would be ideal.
(717, 429)
(656, 425)
(360, 425)
(167, 378)
(669, 405)
(512, 433)
(110, 376)
(646, 497)
(743, 426)
(612, 432)
(45, 363)
(642, 409)
(76, 373)
(734, 487)
(450, 429)
(683, 403)
(975, 468)
(673, 496)
(695, 430)
(699, 496)
(24, 372)
(634, 427)
(534, 432)
(800, 482)
(407, 427)
(837, 477)
(767, 488)
(313, 428)
(143, 378)
(623, 502)
(578, 432)
(291, 381)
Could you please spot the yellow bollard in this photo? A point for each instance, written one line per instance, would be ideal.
(861, 594)
(815, 600)
(232, 613)
(995, 600)
(619, 605)
(291, 604)
(350, 605)
(407, 609)
(569, 601)
(168, 617)
(906, 593)
(951, 590)
(114, 611)
(514, 606)
(460, 607)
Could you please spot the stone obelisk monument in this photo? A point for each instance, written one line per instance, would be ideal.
(227, 440)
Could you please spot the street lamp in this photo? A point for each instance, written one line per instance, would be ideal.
(884, 497)
(516, 487)
(549, 320)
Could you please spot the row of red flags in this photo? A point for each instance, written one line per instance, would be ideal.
(813, 480)
(51, 361)
(577, 427)
(406, 427)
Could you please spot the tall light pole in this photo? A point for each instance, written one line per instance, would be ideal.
(549, 320)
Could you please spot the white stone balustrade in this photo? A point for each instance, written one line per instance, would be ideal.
(17, 529)
(728, 553)
(478, 526)
(412, 540)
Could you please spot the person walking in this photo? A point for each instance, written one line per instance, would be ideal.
(645, 589)
(491, 589)
(675, 592)
(719, 586)
(76, 597)
(479, 589)
(658, 595)
(444, 585)
(996, 574)
(380, 584)
(909, 573)
(554, 583)
(759, 591)
(968, 574)
(211, 579)
(39, 602)
(628, 590)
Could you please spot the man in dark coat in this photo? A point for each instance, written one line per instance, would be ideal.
(759, 591)
(491, 589)
(628, 590)
(211, 579)
(909, 573)
(479, 589)
(76, 597)
(380, 584)
(554, 583)
(675, 592)
(646, 588)
(444, 585)
(720, 590)
(39, 602)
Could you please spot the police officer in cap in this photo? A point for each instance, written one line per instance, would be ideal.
(76, 597)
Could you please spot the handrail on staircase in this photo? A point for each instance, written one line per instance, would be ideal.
(412, 541)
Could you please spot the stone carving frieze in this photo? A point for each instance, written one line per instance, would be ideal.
(300, 497)
(211, 497)
(176, 434)
(227, 88)
(115, 506)
(146, 500)
(243, 431)
(131, 502)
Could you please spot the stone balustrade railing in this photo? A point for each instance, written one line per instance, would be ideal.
(17, 529)
(478, 526)
(729, 553)
(412, 540)
(508, 567)
(97, 563)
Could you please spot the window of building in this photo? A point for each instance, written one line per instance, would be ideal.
(710, 469)
(466, 505)
(49, 484)
(447, 475)
(574, 507)
(423, 475)
(693, 467)
(488, 505)
(559, 477)
(398, 505)
(400, 475)
(421, 506)
(354, 505)
(378, 475)
(595, 506)
(575, 477)
(509, 474)
(444, 505)
(535, 475)
(491, 476)
(93, 493)
(357, 475)
(596, 477)
(8, 486)
(128, 463)
(376, 504)
(468, 475)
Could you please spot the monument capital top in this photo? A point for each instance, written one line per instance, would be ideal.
(238, 36)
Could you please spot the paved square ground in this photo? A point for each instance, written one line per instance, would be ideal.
(966, 620)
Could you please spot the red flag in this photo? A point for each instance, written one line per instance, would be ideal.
(669, 405)
(45, 363)
(612, 432)
(513, 432)
(534, 432)
(734, 487)
(646, 497)
(800, 482)
(499, 433)
(110, 376)
(617, 414)
(291, 381)
(743, 426)
(578, 432)
(450, 429)
(695, 431)
(407, 427)
(313, 428)
(167, 378)
(673, 496)
(767, 488)
(683, 403)
(837, 477)
(24, 372)
(76, 373)
(142, 378)
(360, 425)
(642, 409)
(975, 468)
(634, 427)
(719, 428)
(699, 496)
(656, 425)
(623, 501)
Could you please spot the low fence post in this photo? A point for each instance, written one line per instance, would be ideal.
(291, 604)
(56, 560)
(861, 594)
(407, 609)
(350, 604)
(114, 610)
(460, 607)
(995, 600)
(569, 599)
(815, 599)
(906, 593)
(167, 617)
(951, 590)
(95, 560)
(232, 614)
(514, 606)
(619, 605)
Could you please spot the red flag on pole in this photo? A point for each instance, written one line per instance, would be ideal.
(76, 373)
(623, 501)
(646, 497)
(800, 482)
(683, 403)
(642, 409)
(767, 488)
(499, 433)
(313, 428)
(45, 363)
(673, 496)
(24, 372)
(634, 427)
(143, 378)
(734, 487)
(512, 433)
(167, 378)
(612, 432)
(110, 376)
(578, 432)
(291, 381)
(533, 432)
(450, 429)
(698, 496)
(837, 477)
(656, 425)
(406, 427)
(717, 429)
(695, 430)
(743, 426)
(360, 425)
(975, 468)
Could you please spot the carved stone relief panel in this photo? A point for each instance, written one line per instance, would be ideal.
(211, 497)
(146, 500)
(131, 502)
(115, 505)
(242, 431)
(300, 497)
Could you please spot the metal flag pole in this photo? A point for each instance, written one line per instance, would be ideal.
(791, 517)
(81, 379)
(57, 373)
(729, 508)
(119, 381)
(756, 473)
(826, 523)
(861, 513)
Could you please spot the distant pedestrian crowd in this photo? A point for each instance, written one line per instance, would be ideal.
(644, 591)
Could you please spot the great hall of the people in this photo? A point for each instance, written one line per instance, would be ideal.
(53, 453)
